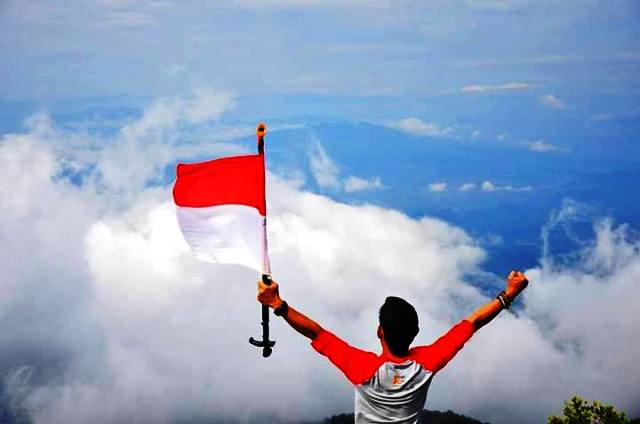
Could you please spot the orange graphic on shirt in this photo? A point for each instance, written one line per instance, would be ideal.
(396, 379)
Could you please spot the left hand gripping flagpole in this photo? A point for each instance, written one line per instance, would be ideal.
(265, 343)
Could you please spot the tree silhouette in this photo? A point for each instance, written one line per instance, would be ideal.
(580, 411)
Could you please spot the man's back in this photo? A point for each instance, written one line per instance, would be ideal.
(390, 389)
(396, 393)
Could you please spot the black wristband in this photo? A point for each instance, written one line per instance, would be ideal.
(504, 299)
(282, 309)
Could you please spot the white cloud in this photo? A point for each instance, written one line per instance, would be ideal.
(141, 146)
(353, 184)
(475, 134)
(488, 186)
(512, 188)
(327, 174)
(137, 328)
(204, 104)
(467, 187)
(324, 169)
(553, 102)
(541, 146)
(417, 126)
(509, 86)
(437, 187)
(485, 186)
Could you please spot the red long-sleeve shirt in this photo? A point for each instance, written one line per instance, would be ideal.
(392, 389)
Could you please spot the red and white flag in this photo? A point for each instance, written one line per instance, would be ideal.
(222, 210)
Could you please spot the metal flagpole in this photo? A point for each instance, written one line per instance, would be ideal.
(265, 343)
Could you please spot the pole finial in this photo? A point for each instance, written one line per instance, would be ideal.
(261, 131)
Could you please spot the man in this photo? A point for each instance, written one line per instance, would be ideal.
(392, 386)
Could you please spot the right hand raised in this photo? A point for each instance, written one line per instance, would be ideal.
(516, 282)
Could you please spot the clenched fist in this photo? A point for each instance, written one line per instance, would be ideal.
(269, 295)
(516, 282)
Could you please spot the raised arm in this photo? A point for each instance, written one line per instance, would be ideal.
(356, 364)
(516, 283)
(270, 296)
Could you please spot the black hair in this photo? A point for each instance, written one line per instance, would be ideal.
(399, 321)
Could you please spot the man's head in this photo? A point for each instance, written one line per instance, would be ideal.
(399, 323)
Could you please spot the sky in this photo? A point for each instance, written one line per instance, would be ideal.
(416, 148)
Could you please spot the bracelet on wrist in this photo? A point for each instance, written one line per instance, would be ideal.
(505, 299)
(282, 309)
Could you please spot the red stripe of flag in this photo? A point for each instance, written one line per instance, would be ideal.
(236, 180)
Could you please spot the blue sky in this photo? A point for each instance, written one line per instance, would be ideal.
(574, 50)
(429, 146)
(564, 72)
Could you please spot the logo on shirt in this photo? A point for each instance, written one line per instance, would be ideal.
(397, 379)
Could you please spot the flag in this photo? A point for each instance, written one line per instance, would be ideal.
(221, 208)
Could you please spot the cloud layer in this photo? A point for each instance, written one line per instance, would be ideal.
(103, 302)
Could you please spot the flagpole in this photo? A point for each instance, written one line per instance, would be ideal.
(265, 343)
